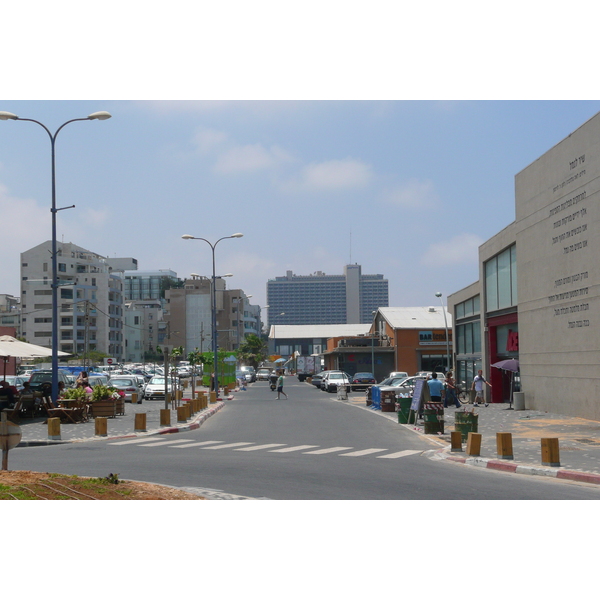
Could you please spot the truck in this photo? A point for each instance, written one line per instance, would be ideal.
(307, 366)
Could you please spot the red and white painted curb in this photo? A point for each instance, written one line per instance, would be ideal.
(512, 467)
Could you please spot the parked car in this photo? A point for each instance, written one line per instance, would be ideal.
(333, 379)
(398, 374)
(246, 375)
(361, 381)
(95, 379)
(263, 374)
(318, 377)
(129, 385)
(39, 378)
(250, 370)
(16, 381)
(155, 388)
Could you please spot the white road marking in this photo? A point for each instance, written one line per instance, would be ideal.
(400, 454)
(140, 440)
(263, 447)
(364, 452)
(198, 444)
(167, 443)
(228, 445)
(293, 449)
(328, 450)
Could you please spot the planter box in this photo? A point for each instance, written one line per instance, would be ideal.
(104, 408)
(120, 406)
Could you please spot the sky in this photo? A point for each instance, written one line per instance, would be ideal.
(406, 188)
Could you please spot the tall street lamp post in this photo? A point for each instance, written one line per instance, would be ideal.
(214, 298)
(100, 116)
(448, 365)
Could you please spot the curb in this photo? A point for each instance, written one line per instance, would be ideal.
(512, 467)
(195, 424)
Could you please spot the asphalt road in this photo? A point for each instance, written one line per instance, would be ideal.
(311, 446)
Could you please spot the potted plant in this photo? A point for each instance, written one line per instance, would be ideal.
(103, 402)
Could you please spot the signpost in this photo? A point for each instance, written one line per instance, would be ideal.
(10, 436)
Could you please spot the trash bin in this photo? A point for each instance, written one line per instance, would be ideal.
(465, 422)
(433, 417)
(519, 400)
(388, 401)
(404, 414)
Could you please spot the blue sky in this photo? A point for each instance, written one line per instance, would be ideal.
(408, 188)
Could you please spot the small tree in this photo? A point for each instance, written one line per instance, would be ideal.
(195, 358)
(252, 351)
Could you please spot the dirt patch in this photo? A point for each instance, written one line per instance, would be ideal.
(30, 485)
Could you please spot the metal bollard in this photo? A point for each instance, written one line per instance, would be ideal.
(101, 426)
(456, 441)
(473, 444)
(504, 446)
(550, 453)
(54, 428)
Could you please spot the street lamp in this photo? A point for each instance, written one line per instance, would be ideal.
(99, 116)
(448, 365)
(214, 297)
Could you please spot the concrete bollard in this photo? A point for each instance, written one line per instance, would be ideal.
(101, 426)
(54, 428)
(504, 446)
(550, 453)
(456, 441)
(140, 422)
(473, 443)
(165, 416)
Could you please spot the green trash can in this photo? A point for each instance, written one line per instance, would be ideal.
(465, 422)
(404, 414)
(433, 417)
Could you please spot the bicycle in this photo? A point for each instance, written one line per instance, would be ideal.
(461, 394)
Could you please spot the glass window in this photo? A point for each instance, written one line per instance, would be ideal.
(491, 284)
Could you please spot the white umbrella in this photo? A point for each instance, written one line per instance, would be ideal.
(10, 347)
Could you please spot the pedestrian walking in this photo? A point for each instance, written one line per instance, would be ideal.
(435, 388)
(450, 390)
(478, 382)
(280, 386)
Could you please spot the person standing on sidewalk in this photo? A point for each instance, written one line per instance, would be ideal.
(450, 391)
(478, 383)
(280, 386)
(435, 388)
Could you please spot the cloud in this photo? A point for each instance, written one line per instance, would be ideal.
(459, 250)
(249, 158)
(338, 174)
(206, 140)
(412, 194)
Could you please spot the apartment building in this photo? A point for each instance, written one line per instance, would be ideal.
(90, 299)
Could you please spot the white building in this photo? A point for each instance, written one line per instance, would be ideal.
(90, 300)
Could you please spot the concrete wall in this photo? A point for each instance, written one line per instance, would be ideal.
(558, 244)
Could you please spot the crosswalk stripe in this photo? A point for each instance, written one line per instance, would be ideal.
(293, 449)
(198, 444)
(252, 448)
(328, 450)
(167, 443)
(364, 452)
(140, 440)
(400, 454)
(228, 445)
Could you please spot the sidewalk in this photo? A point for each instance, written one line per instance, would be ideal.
(34, 432)
(579, 442)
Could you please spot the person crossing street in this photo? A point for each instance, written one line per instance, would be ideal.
(280, 387)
